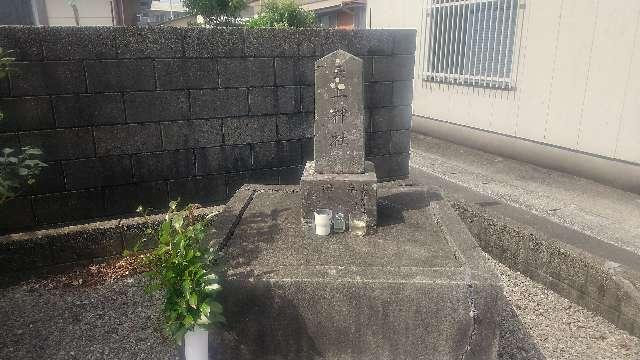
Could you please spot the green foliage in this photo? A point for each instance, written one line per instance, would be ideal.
(185, 272)
(282, 14)
(17, 167)
(217, 12)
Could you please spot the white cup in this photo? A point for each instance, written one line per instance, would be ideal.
(323, 221)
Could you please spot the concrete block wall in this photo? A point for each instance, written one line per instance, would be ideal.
(139, 116)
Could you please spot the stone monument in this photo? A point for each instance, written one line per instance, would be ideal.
(339, 178)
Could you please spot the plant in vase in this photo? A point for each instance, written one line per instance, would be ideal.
(187, 275)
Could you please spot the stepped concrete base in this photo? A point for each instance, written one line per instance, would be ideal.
(419, 288)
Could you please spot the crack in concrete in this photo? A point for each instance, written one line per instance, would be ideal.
(472, 313)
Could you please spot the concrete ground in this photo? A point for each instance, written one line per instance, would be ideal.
(606, 213)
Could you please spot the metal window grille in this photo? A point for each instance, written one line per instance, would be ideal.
(471, 42)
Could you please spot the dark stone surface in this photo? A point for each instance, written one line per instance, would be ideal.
(88, 109)
(291, 175)
(400, 141)
(16, 213)
(243, 72)
(149, 42)
(402, 92)
(244, 130)
(269, 42)
(78, 43)
(50, 77)
(289, 100)
(391, 167)
(404, 41)
(103, 171)
(70, 206)
(61, 144)
(216, 160)
(219, 103)
(26, 42)
(125, 199)
(214, 42)
(295, 126)
(200, 190)
(378, 143)
(191, 134)
(287, 71)
(163, 166)
(276, 154)
(120, 75)
(391, 118)
(187, 73)
(339, 117)
(392, 68)
(263, 101)
(93, 243)
(49, 180)
(308, 99)
(406, 291)
(264, 176)
(28, 113)
(379, 94)
(127, 139)
(156, 106)
(354, 195)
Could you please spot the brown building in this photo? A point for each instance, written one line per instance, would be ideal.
(341, 14)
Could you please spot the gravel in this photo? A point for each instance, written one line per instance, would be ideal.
(118, 320)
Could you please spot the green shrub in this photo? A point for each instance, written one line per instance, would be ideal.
(185, 272)
(17, 167)
(282, 14)
(216, 12)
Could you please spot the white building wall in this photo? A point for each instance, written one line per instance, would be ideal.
(92, 12)
(576, 73)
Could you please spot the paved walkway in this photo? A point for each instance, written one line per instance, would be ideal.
(608, 214)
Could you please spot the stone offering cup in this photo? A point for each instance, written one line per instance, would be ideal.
(322, 219)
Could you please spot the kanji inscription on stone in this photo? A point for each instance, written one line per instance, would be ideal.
(339, 118)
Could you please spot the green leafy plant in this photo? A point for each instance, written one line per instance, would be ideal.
(185, 272)
(217, 12)
(17, 167)
(282, 14)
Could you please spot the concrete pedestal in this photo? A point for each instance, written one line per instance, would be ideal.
(419, 288)
(354, 195)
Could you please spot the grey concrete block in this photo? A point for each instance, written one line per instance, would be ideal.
(378, 94)
(244, 130)
(219, 103)
(191, 134)
(295, 126)
(216, 160)
(306, 70)
(308, 99)
(291, 175)
(187, 73)
(21, 255)
(244, 72)
(378, 143)
(163, 165)
(371, 42)
(45, 78)
(77, 43)
(402, 92)
(127, 139)
(400, 141)
(199, 190)
(149, 42)
(237, 180)
(213, 42)
(277, 154)
(69, 206)
(49, 180)
(16, 214)
(88, 109)
(271, 42)
(125, 199)
(61, 144)
(287, 71)
(289, 99)
(263, 101)
(390, 167)
(120, 75)
(391, 118)
(24, 41)
(10, 140)
(29, 113)
(404, 41)
(98, 172)
(89, 243)
(393, 68)
(307, 149)
(5, 87)
(156, 106)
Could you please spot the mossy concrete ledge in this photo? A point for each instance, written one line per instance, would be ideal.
(417, 288)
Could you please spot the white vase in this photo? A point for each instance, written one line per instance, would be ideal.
(322, 219)
(196, 344)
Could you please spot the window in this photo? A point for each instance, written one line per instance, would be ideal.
(471, 42)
